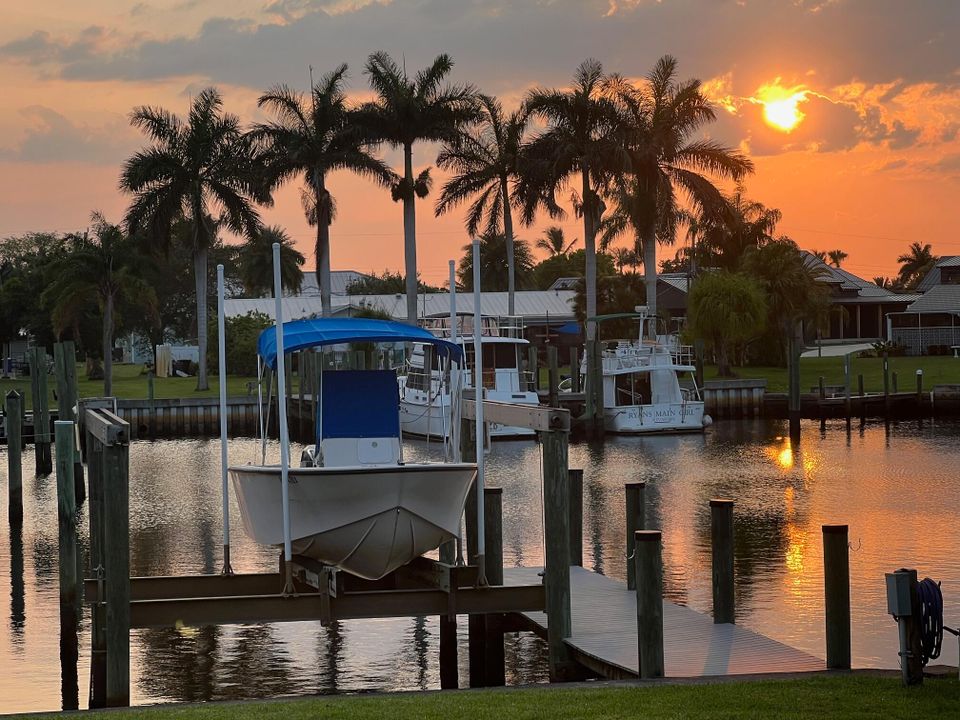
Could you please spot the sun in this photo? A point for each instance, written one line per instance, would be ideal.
(781, 105)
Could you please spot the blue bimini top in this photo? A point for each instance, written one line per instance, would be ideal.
(311, 332)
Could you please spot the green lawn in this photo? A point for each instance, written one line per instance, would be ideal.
(818, 698)
(130, 381)
(936, 371)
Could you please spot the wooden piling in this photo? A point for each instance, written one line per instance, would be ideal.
(896, 386)
(556, 515)
(919, 392)
(575, 384)
(449, 671)
(493, 558)
(886, 385)
(553, 376)
(116, 555)
(863, 398)
(836, 587)
(846, 387)
(635, 494)
(98, 639)
(65, 368)
(14, 420)
(721, 541)
(476, 624)
(41, 411)
(576, 517)
(649, 573)
(67, 517)
(793, 374)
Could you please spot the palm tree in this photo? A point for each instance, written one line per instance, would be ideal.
(494, 275)
(837, 257)
(104, 268)
(255, 258)
(192, 166)
(554, 242)
(915, 263)
(667, 158)
(579, 140)
(314, 138)
(485, 162)
(407, 110)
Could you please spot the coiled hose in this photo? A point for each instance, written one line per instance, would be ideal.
(931, 619)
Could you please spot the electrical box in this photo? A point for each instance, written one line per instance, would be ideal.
(898, 594)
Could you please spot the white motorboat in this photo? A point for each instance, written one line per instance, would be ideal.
(425, 392)
(354, 503)
(649, 386)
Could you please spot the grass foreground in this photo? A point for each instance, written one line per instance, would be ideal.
(852, 696)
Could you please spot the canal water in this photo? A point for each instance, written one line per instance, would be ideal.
(896, 486)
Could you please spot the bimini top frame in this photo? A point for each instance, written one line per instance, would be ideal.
(312, 332)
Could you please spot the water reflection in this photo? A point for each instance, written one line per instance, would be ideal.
(783, 492)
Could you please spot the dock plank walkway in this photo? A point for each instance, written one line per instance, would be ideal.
(604, 615)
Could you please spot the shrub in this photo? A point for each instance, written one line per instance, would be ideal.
(242, 334)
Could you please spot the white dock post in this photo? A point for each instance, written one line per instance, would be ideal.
(222, 382)
(478, 394)
(282, 413)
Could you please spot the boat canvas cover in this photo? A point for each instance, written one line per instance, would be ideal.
(360, 404)
(311, 332)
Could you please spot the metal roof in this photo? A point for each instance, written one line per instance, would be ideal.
(534, 306)
(932, 278)
(866, 290)
(340, 280)
(938, 299)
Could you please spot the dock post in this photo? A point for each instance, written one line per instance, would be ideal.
(575, 384)
(98, 644)
(476, 624)
(863, 399)
(556, 520)
(71, 587)
(846, 387)
(12, 407)
(919, 392)
(493, 556)
(649, 572)
(449, 672)
(553, 376)
(151, 404)
(793, 373)
(836, 588)
(116, 555)
(886, 385)
(721, 540)
(65, 366)
(635, 515)
(67, 516)
(576, 517)
(41, 411)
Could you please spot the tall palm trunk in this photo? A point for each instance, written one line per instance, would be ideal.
(108, 345)
(200, 277)
(410, 234)
(322, 250)
(650, 278)
(508, 232)
(590, 247)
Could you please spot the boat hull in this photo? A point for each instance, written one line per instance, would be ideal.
(420, 420)
(367, 521)
(664, 418)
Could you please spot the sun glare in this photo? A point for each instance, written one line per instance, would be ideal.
(781, 105)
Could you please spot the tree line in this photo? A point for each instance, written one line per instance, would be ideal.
(629, 157)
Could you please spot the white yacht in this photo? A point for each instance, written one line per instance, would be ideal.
(649, 386)
(425, 387)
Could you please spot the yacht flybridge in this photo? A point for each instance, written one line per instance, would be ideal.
(425, 389)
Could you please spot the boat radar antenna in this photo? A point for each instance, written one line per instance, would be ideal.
(478, 399)
(282, 413)
(222, 382)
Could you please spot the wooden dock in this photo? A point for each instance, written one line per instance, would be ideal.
(604, 636)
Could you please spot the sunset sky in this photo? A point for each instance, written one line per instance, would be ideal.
(849, 108)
